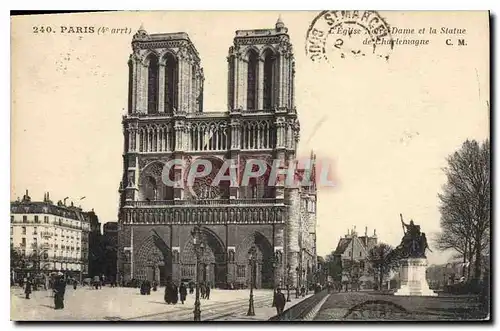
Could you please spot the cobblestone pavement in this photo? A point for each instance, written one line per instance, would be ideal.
(115, 304)
(389, 307)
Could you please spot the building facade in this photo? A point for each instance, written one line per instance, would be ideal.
(96, 253)
(166, 121)
(50, 237)
(352, 254)
(110, 245)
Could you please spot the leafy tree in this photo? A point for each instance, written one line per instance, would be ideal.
(334, 266)
(382, 262)
(351, 269)
(466, 203)
(16, 259)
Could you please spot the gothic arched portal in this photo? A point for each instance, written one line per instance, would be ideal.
(212, 266)
(263, 272)
(153, 260)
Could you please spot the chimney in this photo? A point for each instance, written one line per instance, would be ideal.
(366, 236)
(374, 232)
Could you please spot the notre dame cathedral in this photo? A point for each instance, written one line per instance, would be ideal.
(166, 121)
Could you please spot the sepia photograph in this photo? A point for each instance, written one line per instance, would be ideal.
(250, 166)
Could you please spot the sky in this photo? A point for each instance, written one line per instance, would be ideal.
(386, 127)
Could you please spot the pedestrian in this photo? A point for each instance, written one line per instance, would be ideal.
(202, 290)
(155, 285)
(207, 291)
(279, 301)
(182, 292)
(175, 294)
(303, 291)
(75, 283)
(191, 287)
(28, 288)
(59, 291)
(148, 287)
(168, 295)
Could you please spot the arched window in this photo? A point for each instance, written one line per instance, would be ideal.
(130, 86)
(151, 189)
(152, 84)
(171, 83)
(253, 60)
(269, 79)
(230, 94)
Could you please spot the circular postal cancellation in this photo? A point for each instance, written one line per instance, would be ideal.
(341, 34)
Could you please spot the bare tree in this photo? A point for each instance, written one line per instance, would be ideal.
(382, 261)
(465, 203)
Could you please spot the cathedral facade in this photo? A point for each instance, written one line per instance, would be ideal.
(166, 121)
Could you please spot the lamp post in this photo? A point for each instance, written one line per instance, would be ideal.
(198, 246)
(274, 265)
(297, 270)
(288, 283)
(251, 262)
(304, 280)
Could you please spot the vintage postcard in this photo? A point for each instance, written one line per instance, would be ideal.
(250, 166)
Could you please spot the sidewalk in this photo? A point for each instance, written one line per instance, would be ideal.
(111, 304)
(263, 310)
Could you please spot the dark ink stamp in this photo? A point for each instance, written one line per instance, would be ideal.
(341, 34)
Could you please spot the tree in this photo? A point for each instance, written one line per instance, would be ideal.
(16, 259)
(334, 266)
(351, 269)
(382, 262)
(465, 203)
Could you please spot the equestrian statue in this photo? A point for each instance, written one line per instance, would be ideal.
(414, 243)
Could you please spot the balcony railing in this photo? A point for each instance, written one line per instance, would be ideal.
(46, 234)
(201, 202)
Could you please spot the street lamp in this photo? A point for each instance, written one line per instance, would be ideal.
(251, 262)
(288, 283)
(198, 247)
(274, 265)
(297, 270)
(304, 280)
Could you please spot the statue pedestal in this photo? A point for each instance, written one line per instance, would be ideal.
(412, 276)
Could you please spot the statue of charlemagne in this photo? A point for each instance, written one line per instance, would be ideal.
(414, 243)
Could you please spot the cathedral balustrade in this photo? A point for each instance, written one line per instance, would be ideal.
(205, 214)
(200, 202)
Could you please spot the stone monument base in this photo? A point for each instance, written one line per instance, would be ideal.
(412, 277)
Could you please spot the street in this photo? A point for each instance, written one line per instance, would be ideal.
(119, 304)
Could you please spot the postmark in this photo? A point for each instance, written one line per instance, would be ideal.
(343, 34)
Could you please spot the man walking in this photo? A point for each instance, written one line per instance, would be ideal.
(59, 290)
(182, 292)
(207, 291)
(279, 301)
(202, 290)
(28, 289)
